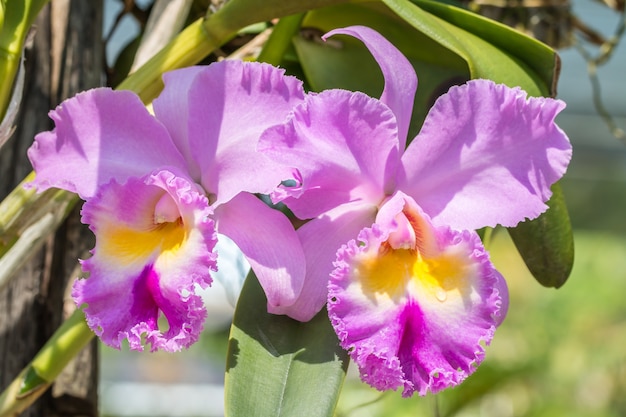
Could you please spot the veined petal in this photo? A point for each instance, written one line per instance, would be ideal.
(230, 104)
(321, 238)
(400, 78)
(143, 268)
(100, 135)
(172, 109)
(344, 146)
(414, 317)
(269, 243)
(486, 155)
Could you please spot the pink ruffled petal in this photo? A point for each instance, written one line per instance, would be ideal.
(230, 104)
(344, 146)
(400, 78)
(486, 155)
(100, 135)
(269, 243)
(414, 317)
(321, 238)
(144, 269)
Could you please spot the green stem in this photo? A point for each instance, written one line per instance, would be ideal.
(192, 45)
(18, 17)
(69, 339)
(280, 39)
(203, 36)
(3, 8)
(29, 233)
(15, 204)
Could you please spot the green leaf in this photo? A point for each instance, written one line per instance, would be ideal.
(547, 243)
(542, 59)
(484, 59)
(277, 366)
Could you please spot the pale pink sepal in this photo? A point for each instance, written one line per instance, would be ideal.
(270, 244)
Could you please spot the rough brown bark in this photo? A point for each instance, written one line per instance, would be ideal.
(65, 57)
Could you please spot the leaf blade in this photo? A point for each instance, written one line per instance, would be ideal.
(484, 59)
(547, 243)
(277, 366)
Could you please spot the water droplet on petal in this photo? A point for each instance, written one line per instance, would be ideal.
(441, 294)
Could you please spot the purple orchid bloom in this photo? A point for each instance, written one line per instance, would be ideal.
(412, 293)
(157, 188)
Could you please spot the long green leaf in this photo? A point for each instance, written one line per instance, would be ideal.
(542, 59)
(484, 59)
(277, 366)
(546, 243)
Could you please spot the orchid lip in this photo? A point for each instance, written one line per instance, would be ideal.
(154, 245)
(402, 289)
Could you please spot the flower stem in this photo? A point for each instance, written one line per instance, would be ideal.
(280, 39)
(17, 18)
(38, 375)
(203, 36)
(188, 48)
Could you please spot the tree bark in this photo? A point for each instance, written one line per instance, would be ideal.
(65, 57)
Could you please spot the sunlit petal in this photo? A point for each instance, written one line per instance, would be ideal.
(269, 243)
(486, 155)
(344, 146)
(321, 238)
(143, 270)
(171, 108)
(100, 135)
(230, 104)
(415, 317)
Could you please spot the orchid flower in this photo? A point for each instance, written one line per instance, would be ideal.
(390, 243)
(156, 188)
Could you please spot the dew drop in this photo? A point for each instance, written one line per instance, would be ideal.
(441, 294)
